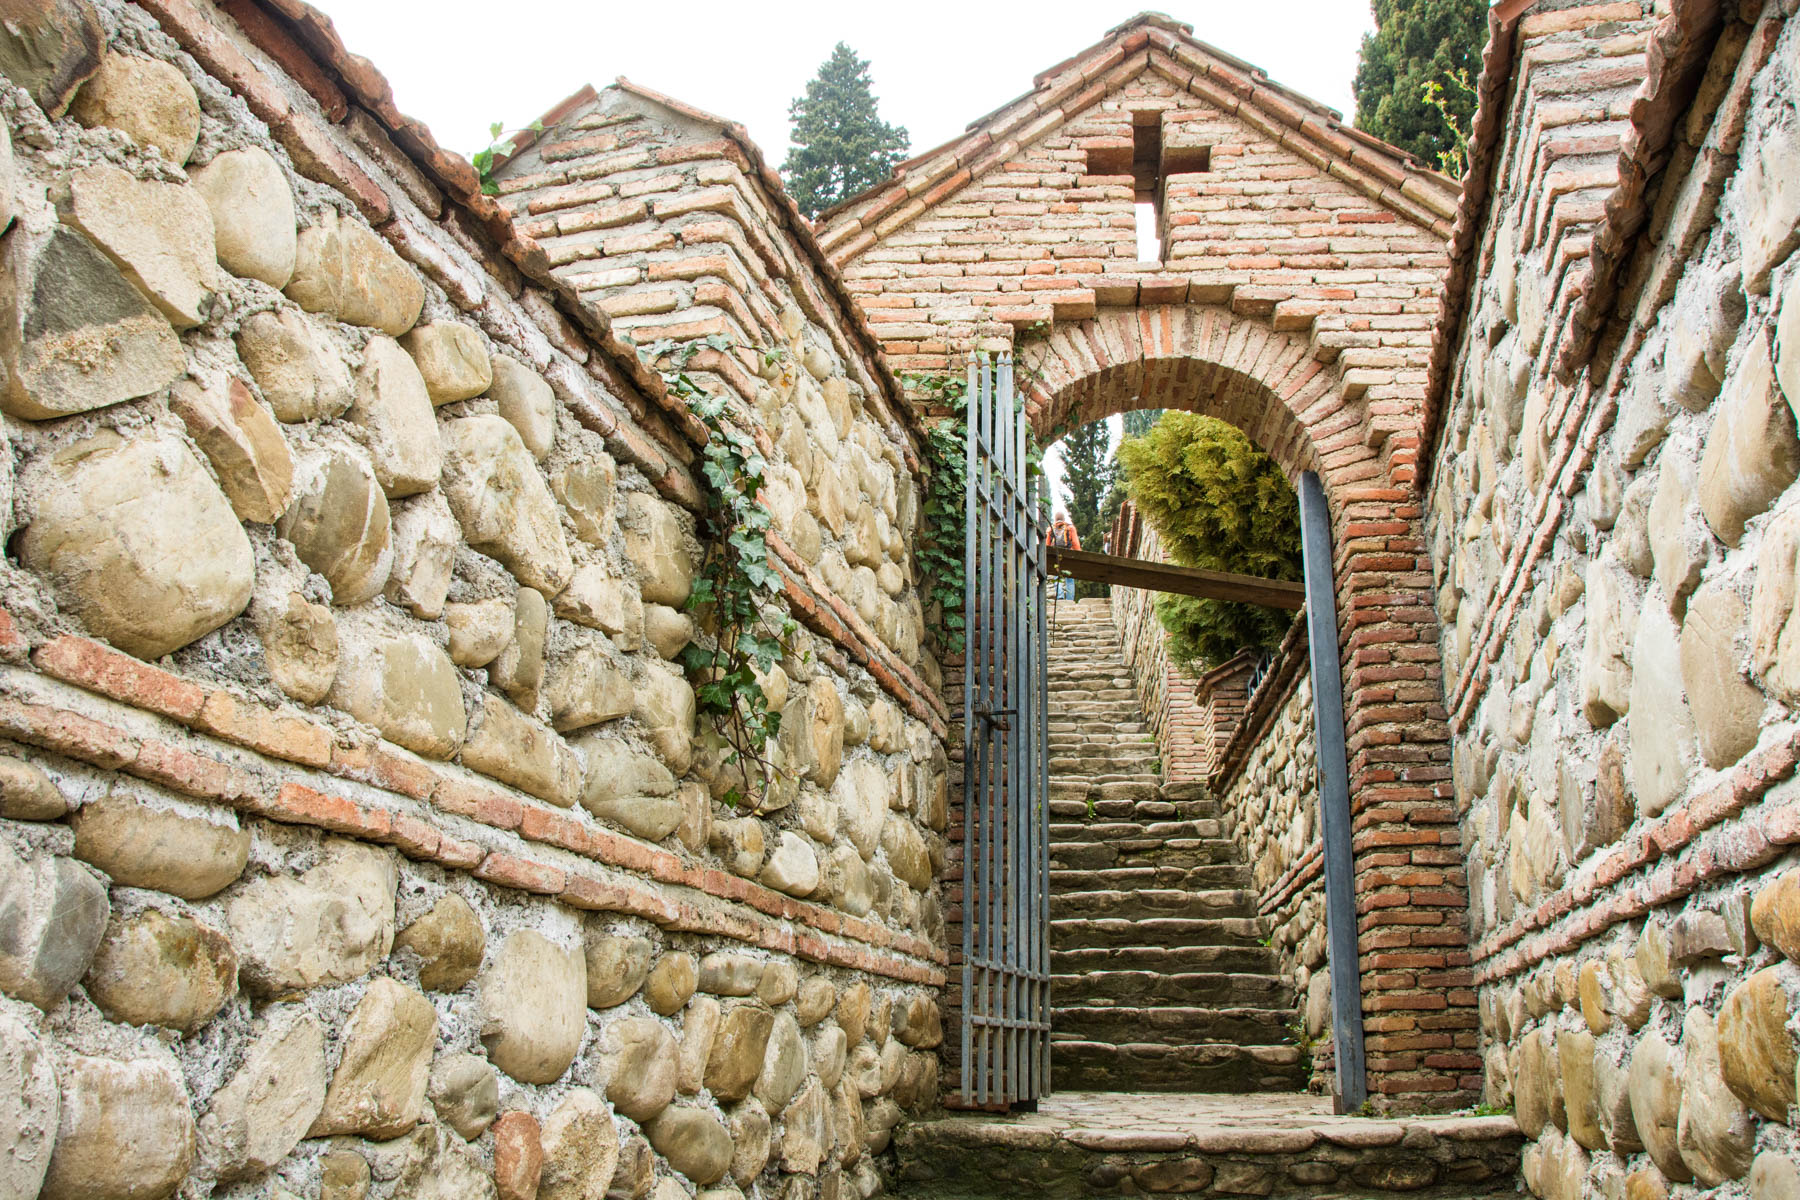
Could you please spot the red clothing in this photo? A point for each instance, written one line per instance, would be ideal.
(1063, 534)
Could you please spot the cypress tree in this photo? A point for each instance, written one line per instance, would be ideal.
(1088, 471)
(1219, 502)
(841, 144)
(1414, 82)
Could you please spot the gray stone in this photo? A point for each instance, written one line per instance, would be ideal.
(863, 791)
(1774, 633)
(153, 969)
(1605, 659)
(587, 487)
(695, 1142)
(750, 1128)
(655, 543)
(378, 1088)
(160, 235)
(534, 1007)
(26, 793)
(30, 1107)
(617, 967)
(450, 943)
(50, 48)
(138, 542)
(526, 401)
(852, 885)
(400, 682)
(1679, 543)
(1787, 343)
(670, 983)
(344, 270)
(1643, 420)
(257, 1118)
(1662, 723)
(1727, 708)
(806, 1130)
(338, 523)
(425, 538)
(1697, 935)
(1757, 1053)
(329, 925)
(252, 212)
(518, 670)
(478, 631)
(628, 786)
(151, 102)
(828, 1053)
(664, 705)
(503, 503)
(581, 1148)
(452, 359)
(1769, 199)
(141, 844)
(585, 684)
(641, 1064)
(1655, 1089)
(509, 746)
(784, 1064)
(54, 911)
(125, 1132)
(793, 867)
(780, 981)
(1707, 312)
(295, 366)
(394, 410)
(465, 1093)
(723, 973)
(243, 443)
(1752, 454)
(1714, 1132)
(441, 1167)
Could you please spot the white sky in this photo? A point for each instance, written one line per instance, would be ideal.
(461, 65)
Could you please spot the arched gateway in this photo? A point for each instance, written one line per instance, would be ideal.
(1295, 284)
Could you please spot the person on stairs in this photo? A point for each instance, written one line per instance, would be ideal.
(1063, 535)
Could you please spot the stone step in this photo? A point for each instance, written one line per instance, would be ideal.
(1284, 1146)
(1154, 902)
(1073, 806)
(1171, 1026)
(1072, 932)
(1150, 831)
(1202, 988)
(1153, 1067)
(1231, 959)
(1206, 876)
(1181, 856)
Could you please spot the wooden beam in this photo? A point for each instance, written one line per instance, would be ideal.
(1187, 581)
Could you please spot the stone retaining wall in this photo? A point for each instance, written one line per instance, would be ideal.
(357, 833)
(1613, 520)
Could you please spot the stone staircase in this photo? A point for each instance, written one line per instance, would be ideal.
(1161, 981)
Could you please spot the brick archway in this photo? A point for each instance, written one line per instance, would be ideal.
(1410, 889)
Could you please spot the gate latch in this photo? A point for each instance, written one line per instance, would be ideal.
(997, 717)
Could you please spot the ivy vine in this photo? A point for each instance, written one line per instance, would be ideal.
(940, 550)
(735, 586)
(498, 148)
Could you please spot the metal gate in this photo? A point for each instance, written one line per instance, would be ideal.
(1006, 785)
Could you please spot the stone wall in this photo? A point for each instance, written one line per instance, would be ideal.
(1173, 705)
(357, 833)
(1612, 513)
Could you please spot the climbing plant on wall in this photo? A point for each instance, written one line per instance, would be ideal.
(940, 552)
(736, 587)
(1218, 502)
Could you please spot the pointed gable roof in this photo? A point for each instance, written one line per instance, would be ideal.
(1147, 42)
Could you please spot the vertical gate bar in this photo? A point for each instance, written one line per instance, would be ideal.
(997, 795)
(996, 765)
(987, 784)
(1041, 819)
(970, 473)
(1334, 794)
(1014, 782)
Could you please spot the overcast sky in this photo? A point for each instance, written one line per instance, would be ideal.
(461, 65)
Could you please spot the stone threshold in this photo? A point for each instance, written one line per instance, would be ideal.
(1101, 1144)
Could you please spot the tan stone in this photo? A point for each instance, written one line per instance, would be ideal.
(784, 1065)
(806, 1130)
(1679, 543)
(151, 102)
(641, 1063)
(750, 1128)
(723, 973)
(815, 1001)
(343, 1175)
(465, 1093)
(1714, 1131)
(585, 684)
(740, 845)
(328, 925)
(694, 1141)
(400, 682)
(1581, 1098)
(243, 443)
(1660, 975)
(394, 410)
(1662, 723)
(616, 968)
(451, 358)
(624, 784)
(300, 647)
(793, 866)
(378, 1088)
(598, 600)
(671, 982)
(1752, 454)
(74, 333)
(528, 404)
(338, 523)
(779, 983)
(863, 790)
(257, 1118)
(252, 212)
(478, 631)
(699, 1032)
(1757, 1053)
(138, 542)
(344, 270)
(296, 368)
(664, 705)
(1787, 343)
(587, 486)
(1727, 708)
(1774, 634)
(503, 503)
(30, 1107)
(449, 941)
(509, 746)
(737, 1051)
(518, 1156)
(1775, 914)
(27, 794)
(655, 543)
(1535, 1082)
(440, 1167)
(581, 1148)
(1605, 662)
(853, 1011)
(534, 1007)
(635, 1175)
(160, 235)
(54, 911)
(125, 1133)
(425, 539)
(813, 733)
(143, 844)
(153, 969)
(666, 631)
(918, 1024)
(1774, 1176)
(1769, 201)
(906, 852)
(518, 670)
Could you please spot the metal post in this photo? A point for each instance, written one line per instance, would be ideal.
(1334, 796)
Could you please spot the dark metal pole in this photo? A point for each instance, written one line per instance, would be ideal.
(1334, 796)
